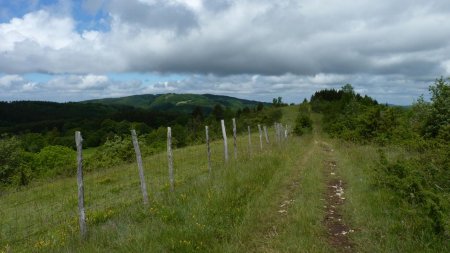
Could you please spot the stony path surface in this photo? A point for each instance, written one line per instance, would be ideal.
(337, 230)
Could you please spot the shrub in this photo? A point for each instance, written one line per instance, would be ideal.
(15, 163)
(115, 151)
(407, 179)
(55, 160)
(303, 121)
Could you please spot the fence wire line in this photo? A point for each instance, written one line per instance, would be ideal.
(54, 204)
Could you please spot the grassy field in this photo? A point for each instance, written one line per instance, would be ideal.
(204, 212)
(269, 200)
(381, 222)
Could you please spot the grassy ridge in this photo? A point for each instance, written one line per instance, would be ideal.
(180, 102)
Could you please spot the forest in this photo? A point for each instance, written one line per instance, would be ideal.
(38, 137)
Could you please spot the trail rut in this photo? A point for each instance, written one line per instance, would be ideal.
(337, 230)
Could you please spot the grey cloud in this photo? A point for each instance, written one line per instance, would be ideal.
(217, 5)
(93, 6)
(158, 15)
(260, 47)
(285, 39)
(254, 37)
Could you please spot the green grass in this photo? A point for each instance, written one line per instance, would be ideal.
(236, 208)
(381, 222)
(203, 213)
(300, 229)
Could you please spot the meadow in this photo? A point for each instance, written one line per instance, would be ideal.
(269, 200)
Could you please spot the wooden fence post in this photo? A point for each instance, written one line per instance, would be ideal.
(137, 150)
(278, 132)
(265, 133)
(234, 139)
(286, 132)
(260, 136)
(208, 149)
(79, 144)
(225, 144)
(170, 158)
(275, 129)
(280, 129)
(249, 141)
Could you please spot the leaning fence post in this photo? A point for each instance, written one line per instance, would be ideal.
(170, 157)
(225, 144)
(279, 129)
(79, 143)
(234, 138)
(260, 136)
(208, 149)
(275, 129)
(267, 136)
(137, 150)
(249, 141)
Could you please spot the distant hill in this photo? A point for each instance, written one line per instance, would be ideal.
(178, 102)
(62, 119)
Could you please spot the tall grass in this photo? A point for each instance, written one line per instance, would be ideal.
(381, 221)
(239, 207)
(203, 213)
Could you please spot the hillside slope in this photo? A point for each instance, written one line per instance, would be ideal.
(179, 102)
(273, 197)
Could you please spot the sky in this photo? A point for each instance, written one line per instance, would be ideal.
(60, 50)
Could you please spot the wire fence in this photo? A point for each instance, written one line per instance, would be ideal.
(46, 213)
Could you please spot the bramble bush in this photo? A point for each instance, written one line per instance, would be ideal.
(54, 161)
(412, 185)
(303, 122)
(15, 163)
(114, 152)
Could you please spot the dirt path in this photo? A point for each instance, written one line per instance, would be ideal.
(337, 230)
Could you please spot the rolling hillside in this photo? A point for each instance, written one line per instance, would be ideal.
(179, 102)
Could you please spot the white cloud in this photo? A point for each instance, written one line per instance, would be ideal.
(38, 27)
(293, 88)
(226, 46)
(15, 84)
(261, 37)
(78, 83)
(9, 80)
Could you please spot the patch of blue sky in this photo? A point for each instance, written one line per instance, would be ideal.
(12, 9)
(85, 20)
(146, 78)
(38, 77)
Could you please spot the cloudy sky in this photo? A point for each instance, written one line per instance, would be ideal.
(258, 49)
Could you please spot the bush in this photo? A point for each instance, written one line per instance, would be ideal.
(115, 151)
(15, 163)
(54, 161)
(408, 180)
(303, 121)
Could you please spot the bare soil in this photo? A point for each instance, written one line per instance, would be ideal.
(337, 230)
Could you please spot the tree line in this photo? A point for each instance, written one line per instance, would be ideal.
(43, 147)
(420, 178)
